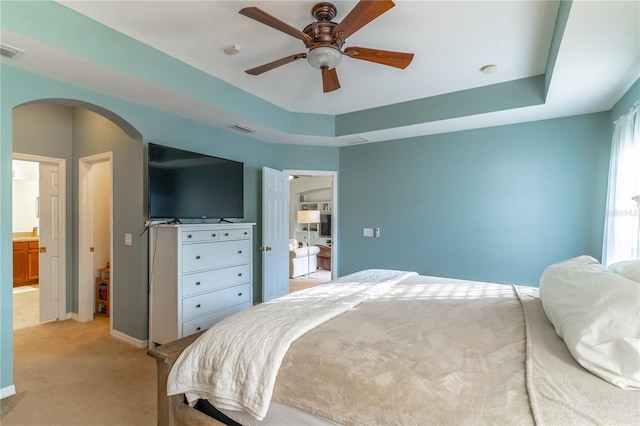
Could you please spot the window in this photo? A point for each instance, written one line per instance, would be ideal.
(622, 219)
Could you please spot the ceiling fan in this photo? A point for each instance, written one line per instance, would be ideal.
(324, 39)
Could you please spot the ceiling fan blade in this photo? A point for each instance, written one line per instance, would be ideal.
(275, 64)
(329, 80)
(384, 57)
(263, 17)
(363, 13)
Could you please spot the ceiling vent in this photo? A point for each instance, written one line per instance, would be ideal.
(10, 51)
(357, 140)
(242, 128)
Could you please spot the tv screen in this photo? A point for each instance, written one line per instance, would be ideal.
(325, 225)
(189, 185)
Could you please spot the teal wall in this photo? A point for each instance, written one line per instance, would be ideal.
(496, 204)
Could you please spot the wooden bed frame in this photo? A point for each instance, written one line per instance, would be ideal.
(172, 411)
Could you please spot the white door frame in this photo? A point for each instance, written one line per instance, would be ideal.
(62, 224)
(334, 213)
(86, 300)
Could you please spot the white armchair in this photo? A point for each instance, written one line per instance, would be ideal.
(301, 260)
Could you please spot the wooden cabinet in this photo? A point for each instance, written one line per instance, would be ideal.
(198, 275)
(25, 262)
(33, 271)
(324, 257)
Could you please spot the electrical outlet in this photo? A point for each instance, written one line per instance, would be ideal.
(376, 232)
(367, 232)
(128, 241)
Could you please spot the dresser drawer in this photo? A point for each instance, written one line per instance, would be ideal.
(234, 234)
(209, 302)
(200, 236)
(198, 257)
(202, 323)
(201, 282)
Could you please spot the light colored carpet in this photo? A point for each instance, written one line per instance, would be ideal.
(71, 373)
(26, 306)
(300, 283)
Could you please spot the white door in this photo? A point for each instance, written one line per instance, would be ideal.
(49, 274)
(275, 234)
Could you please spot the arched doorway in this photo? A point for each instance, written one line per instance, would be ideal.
(71, 129)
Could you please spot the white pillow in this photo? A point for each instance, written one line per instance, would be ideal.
(627, 268)
(597, 314)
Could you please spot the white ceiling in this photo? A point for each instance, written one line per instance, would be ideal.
(598, 59)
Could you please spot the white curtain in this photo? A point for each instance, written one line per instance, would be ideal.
(621, 231)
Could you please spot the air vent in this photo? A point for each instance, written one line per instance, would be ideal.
(357, 140)
(242, 128)
(10, 51)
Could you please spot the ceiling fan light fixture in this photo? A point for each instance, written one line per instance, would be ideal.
(324, 57)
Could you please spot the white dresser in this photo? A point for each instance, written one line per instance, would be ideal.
(198, 275)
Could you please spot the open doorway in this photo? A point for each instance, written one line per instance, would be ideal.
(312, 244)
(39, 275)
(95, 237)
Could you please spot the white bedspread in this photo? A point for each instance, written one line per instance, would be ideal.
(244, 379)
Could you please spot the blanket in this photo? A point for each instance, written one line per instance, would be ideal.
(234, 370)
(428, 351)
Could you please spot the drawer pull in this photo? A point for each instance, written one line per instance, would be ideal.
(198, 329)
(239, 294)
(240, 274)
(197, 306)
(189, 236)
(226, 234)
(246, 233)
(213, 235)
(197, 257)
(198, 283)
(239, 251)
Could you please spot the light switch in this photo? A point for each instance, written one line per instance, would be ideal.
(127, 240)
(367, 232)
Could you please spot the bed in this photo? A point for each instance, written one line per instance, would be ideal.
(393, 347)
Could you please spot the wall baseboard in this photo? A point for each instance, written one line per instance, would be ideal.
(119, 335)
(8, 391)
(131, 340)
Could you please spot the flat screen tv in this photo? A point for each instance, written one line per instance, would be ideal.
(325, 225)
(189, 185)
